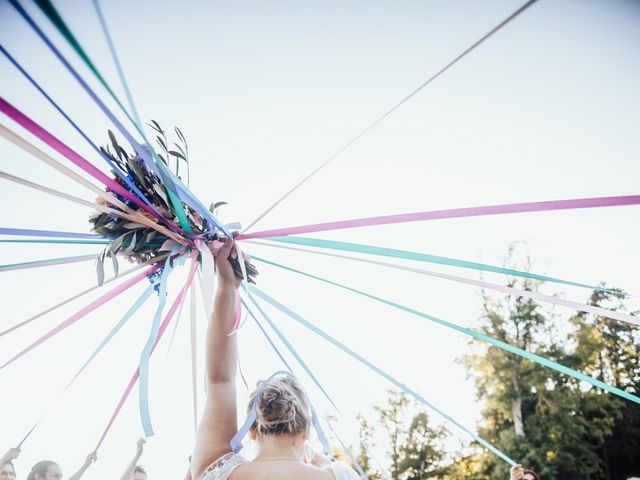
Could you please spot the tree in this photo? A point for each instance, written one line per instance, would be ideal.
(414, 445)
(366, 444)
(548, 421)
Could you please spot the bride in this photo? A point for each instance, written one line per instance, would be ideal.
(279, 406)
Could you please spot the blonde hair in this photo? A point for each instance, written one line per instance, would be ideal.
(281, 407)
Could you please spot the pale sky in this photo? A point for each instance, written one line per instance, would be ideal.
(266, 91)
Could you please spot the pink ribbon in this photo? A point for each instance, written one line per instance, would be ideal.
(136, 375)
(83, 312)
(450, 213)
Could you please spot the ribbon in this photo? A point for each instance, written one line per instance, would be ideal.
(348, 453)
(116, 61)
(574, 203)
(46, 263)
(42, 156)
(389, 112)
(145, 204)
(134, 308)
(127, 316)
(625, 317)
(145, 416)
(478, 336)
(292, 350)
(53, 16)
(236, 441)
(171, 181)
(28, 124)
(173, 336)
(379, 371)
(80, 294)
(277, 352)
(111, 294)
(207, 279)
(45, 233)
(136, 374)
(101, 208)
(266, 336)
(194, 358)
(423, 257)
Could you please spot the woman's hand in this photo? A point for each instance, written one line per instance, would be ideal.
(11, 455)
(226, 276)
(140, 445)
(517, 472)
(92, 457)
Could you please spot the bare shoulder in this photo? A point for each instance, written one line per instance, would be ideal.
(282, 471)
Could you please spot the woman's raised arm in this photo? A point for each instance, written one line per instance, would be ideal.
(219, 420)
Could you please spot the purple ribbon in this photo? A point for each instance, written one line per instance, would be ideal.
(45, 233)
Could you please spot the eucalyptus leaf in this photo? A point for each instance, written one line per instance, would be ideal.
(160, 191)
(138, 172)
(161, 142)
(179, 132)
(114, 141)
(150, 236)
(100, 269)
(132, 244)
(156, 127)
(177, 154)
(116, 267)
(133, 225)
(181, 149)
(117, 244)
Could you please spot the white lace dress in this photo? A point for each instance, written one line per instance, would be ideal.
(223, 467)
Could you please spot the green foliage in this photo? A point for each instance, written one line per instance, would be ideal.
(549, 422)
(414, 447)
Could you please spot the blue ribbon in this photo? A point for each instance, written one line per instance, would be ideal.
(275, 348)
(170, 180)
(45, 233)
(143, 398)
(236, 441)
(478, 336)
(293, 315)
(266, 335)
(127, 316)
(292, 350)
(346, 450)
(134, 308)
(114, 167)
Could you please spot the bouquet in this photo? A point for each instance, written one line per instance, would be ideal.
(139, 242)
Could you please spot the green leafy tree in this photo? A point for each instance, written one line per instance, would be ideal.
(415, 446)
(548, 421)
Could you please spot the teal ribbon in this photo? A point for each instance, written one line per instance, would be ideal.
(476, 335)
(293, 315)
(421, 257)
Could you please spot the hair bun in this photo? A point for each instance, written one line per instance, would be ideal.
(281, 408)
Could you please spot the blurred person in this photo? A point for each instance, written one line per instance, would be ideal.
(519, 473)
(135, 471)
(48, 470)
(7, 469)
